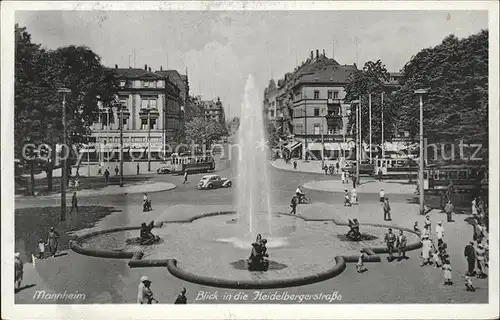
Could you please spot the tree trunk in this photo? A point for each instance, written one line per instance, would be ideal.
(32, 177)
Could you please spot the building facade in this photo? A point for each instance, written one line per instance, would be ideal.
(150, 112)
(309, 109)
(214, 111)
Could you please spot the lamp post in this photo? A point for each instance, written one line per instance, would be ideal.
(64, 173)
(357, 103)
(322, 140)
(121, 143)
(149, 139)
(421, 93)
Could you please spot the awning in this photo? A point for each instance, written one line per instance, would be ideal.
(87, 150)
(156, 149)
(293, 145)
(315, 146)
(332, 146)
(137, 150)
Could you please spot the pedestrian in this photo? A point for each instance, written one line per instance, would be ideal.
(439, 231)
(148, 293)
(141, 299)
(354, 179)
(293, 205)
(401, 244)
(441, 201)
(347, 199)
(185, 177)
(450, 211)
(354, 196)
(106, 175)
(53, 241)
(181, 298)
(427, 222)
(337, 167)
(77, 184)
(99, 171)
(478, 232)
(381, 195)
(326, 169)
(117, 171)
(436, 258)
(474, 208)
(426, 250)
(447, 272)
(417, 229)
(347, 176)
(18, 271)
(330, 169)
(360, 266)
(387, 210)
(480, 253)
(295, 164)
(137, 168)
(486, 253)
(380, 174)
(390, 240)
(74, 203)
(470, 255)
(342, 177)
(469, 286)
(41, 249)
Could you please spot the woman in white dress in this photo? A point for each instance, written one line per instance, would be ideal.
(426, 250)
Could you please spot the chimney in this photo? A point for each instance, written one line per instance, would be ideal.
(146, 67)
(317, 53)
(116, 66)
(161, 68)
(324, 54)
(149, 69)
(312, 54)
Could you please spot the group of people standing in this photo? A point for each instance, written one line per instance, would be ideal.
(331, 169)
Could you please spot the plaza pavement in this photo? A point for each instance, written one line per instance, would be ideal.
(112, 281)
(367, 185)
(313, 166)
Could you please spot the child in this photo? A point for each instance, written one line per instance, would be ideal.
(468, 283)
(41, 249)
(347, 199)
(437, 260)
(360, 266)
(417, 229)
(447, 273)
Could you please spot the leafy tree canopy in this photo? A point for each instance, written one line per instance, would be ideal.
(202, 131)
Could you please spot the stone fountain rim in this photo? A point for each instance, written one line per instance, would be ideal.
(171, 264)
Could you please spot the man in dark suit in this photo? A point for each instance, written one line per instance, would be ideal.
(401, 245)
(390, 240)
(470, 254)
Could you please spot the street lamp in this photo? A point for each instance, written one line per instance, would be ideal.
(421, 93)
(121, 143)
(64, 91)
(357, 103)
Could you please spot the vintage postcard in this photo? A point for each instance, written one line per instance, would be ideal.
(263, 160)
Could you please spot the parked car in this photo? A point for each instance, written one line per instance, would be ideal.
(214, 181)
(163, 170)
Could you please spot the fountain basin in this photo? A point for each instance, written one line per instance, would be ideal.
(210, 248)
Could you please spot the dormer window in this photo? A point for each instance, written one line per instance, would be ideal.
(146, 84)
(122, 83)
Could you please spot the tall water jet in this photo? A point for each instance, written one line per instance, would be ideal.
(253, 190)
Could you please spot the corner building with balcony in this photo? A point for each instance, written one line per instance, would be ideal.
(151, 110)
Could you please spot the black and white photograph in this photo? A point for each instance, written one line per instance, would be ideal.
(226, 155)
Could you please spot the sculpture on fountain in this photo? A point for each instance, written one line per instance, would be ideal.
(353, 233)
(146, 236)
(257, 260)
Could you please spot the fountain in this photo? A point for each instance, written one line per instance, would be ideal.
(217, 247)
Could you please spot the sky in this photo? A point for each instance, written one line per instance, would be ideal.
(220, 49)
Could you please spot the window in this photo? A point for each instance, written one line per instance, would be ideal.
(145, 84)
(316, 112)
(272, 113)
(330, 94)
(148, 102)
(335, 95)
(316, 94)
(122, 83)
(298, 128)
(316, 128)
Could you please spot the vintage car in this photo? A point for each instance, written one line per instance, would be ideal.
(214, 181)
(164, 170)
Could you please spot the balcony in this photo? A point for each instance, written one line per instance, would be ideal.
(334, 101)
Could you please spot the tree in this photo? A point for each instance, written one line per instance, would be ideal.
(204, 132)
(456, 106)
(272, 134)
(372, 80)
(39, 74)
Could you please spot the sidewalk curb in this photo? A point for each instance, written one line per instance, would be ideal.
(294, 170)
